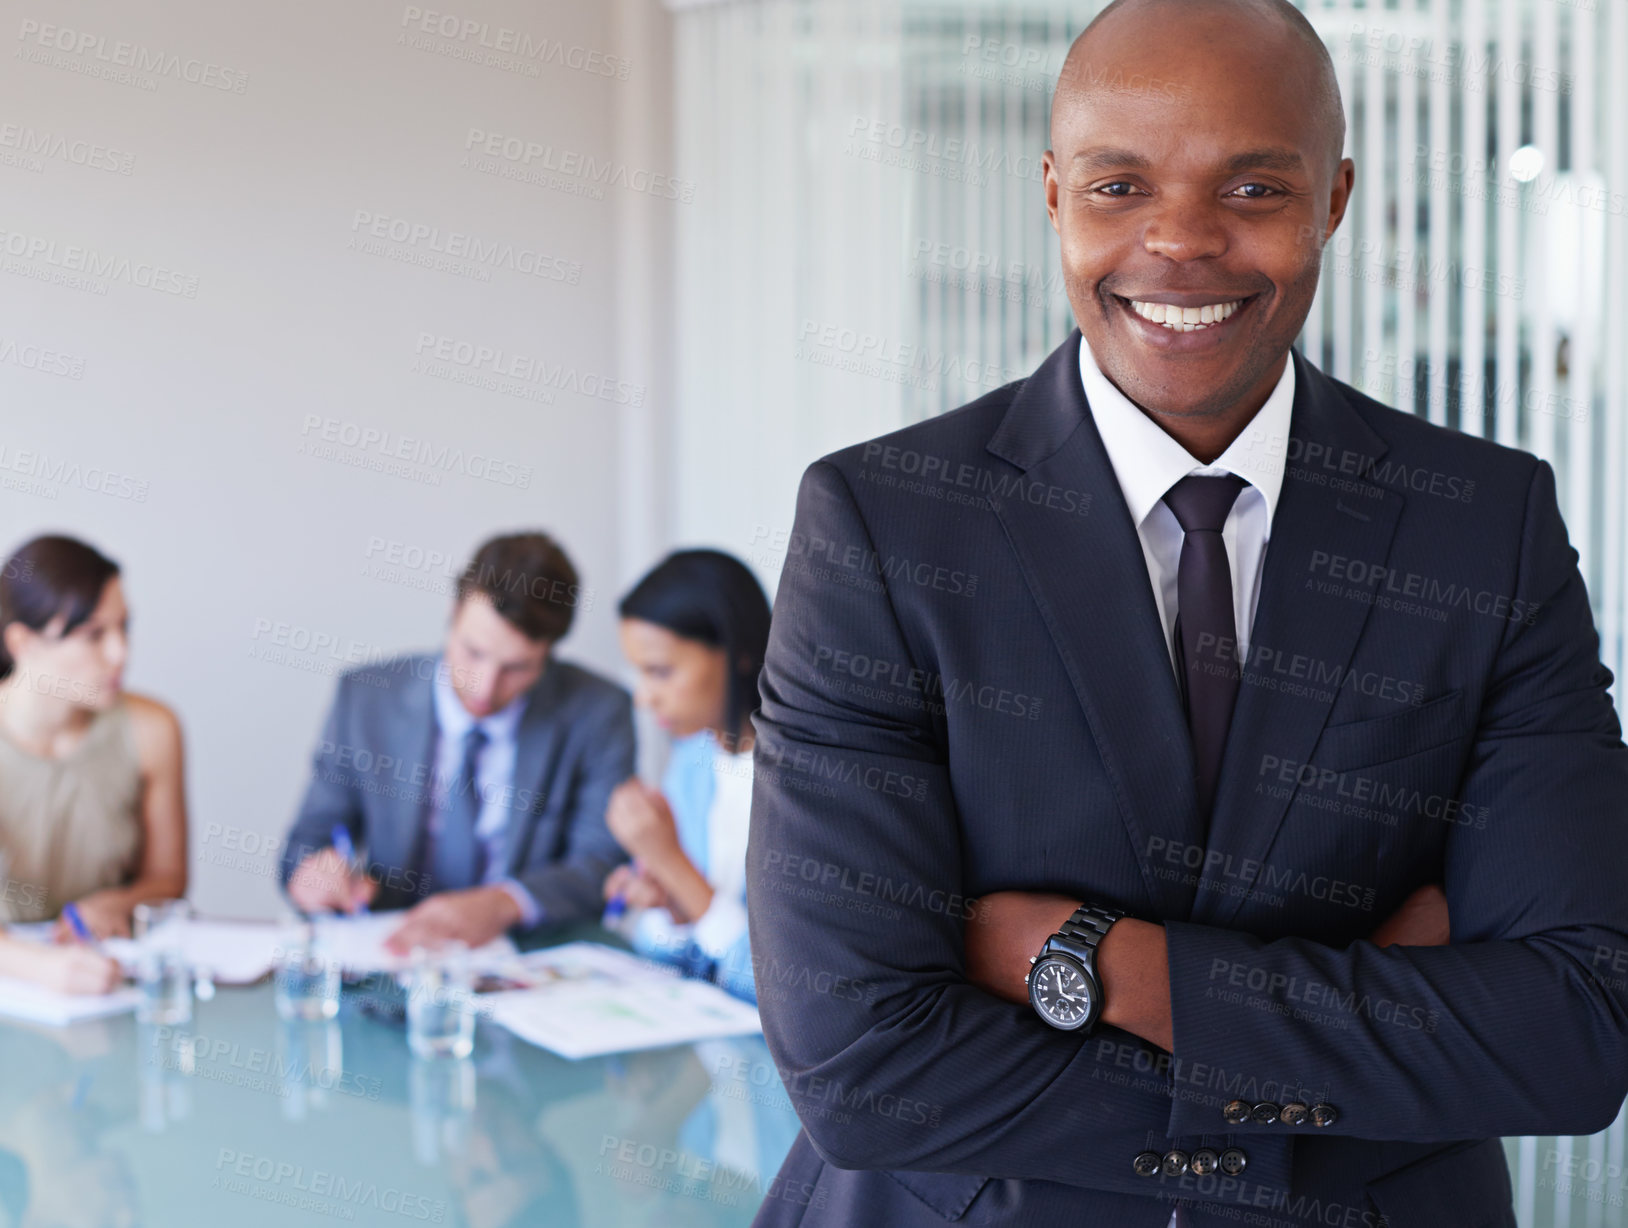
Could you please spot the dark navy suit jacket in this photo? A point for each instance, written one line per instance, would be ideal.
(967, 690)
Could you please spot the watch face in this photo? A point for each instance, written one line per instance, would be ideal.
(1060, 992)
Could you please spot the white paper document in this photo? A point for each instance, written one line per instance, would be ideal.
(357, 944)
(32, 931)
(37, 1004)
(232, 952)
(586, 1000)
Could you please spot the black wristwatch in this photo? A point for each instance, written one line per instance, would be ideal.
(1063, 985)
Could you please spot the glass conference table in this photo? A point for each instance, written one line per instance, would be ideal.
(243, 1119)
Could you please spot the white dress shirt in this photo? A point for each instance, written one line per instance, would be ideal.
(494, 779)
(1147, 463)
(729, 819)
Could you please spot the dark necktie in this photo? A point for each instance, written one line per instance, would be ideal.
(1205, 632)
(456, 858)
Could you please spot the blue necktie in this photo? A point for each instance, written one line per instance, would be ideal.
(1205, 632)
(456, 859)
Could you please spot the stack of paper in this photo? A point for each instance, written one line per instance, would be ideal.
(36, 1004)
(356, 943)
(588, 1000)
(231, 952)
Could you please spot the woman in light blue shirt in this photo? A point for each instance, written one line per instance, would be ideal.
(695, 630)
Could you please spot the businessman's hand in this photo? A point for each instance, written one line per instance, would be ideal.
(472, 917)
(324, 882)
(1006, 928)
(1421, 921)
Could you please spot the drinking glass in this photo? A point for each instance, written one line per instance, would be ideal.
(441, 1003)
(162, 974)
(307, 982)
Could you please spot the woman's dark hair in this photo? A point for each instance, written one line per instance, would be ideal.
(712, 598)
(47, 578)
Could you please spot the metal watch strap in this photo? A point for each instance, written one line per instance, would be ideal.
(1089, 925)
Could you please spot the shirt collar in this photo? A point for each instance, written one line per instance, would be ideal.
(454, 720)
(1147, 462)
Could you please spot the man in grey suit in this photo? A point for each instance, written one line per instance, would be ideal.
(473, 781)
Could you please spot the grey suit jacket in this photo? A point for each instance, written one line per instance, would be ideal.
(375, 761)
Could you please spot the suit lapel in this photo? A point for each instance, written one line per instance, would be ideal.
(399, 841)
(1313, 520)
(534, 749)
(1090, 581)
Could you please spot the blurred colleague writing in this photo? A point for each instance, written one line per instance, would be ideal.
(474, 781)
(92, 797)
(695, 629)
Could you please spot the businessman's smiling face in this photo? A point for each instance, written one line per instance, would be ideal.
(1192, 182)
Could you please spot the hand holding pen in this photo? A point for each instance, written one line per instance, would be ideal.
(355, 870)
(79, 967)
(331, 879)
(81, 932)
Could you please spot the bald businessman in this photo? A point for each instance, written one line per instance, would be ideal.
(1273, 731)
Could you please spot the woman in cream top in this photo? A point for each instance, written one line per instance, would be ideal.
(92, 810)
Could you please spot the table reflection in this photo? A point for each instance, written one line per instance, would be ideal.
(245, 1119)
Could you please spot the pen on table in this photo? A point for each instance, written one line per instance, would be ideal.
(347, 850)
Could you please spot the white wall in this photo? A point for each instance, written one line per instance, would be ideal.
(208, 404)
(801, 236)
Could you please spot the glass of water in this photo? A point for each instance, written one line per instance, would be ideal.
(307, 982)
(441, 1003)
(162, 974)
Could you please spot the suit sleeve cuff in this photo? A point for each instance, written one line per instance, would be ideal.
(1218, 1054)
(531, 912)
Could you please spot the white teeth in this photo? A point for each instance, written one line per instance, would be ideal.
(1185, 319)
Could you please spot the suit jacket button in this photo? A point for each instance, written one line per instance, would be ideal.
(1265, 1113)
(1323, 1115)
(1236, 1112)
(1204, 1161)
(1294, 1114)
(1147, 1164)
(1175, 1163)
(1233, 1161)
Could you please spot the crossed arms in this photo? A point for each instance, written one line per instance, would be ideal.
(1529, 1038)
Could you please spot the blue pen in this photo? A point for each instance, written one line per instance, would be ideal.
(614, 918)
(347, 850)
(70, 913)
